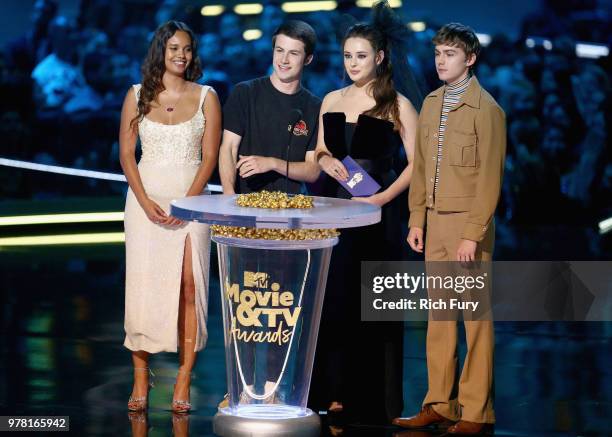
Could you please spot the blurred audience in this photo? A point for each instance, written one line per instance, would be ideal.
(64, 82)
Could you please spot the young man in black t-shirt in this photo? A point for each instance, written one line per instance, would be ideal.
(259, 114)
(264, 119)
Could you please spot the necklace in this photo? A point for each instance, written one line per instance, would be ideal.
(171, 107)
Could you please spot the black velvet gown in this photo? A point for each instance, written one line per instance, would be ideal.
(360, 363)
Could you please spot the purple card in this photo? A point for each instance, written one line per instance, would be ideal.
(359, 183)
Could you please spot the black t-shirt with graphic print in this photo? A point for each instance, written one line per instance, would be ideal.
(261, 114)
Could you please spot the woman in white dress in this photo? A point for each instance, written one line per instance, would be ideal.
(167, 260)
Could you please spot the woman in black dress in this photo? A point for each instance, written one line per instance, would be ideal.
(358, 365)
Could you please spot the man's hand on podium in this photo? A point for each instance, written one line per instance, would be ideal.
(254, 164)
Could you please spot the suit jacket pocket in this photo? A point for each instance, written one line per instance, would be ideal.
(463, 149)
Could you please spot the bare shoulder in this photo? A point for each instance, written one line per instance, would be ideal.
(131, 93)
(193, 88)
(211, 90)
(403, 101)
(333, 96)
(130, 100)
(404, 104)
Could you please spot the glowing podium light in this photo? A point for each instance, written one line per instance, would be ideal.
(278, 411)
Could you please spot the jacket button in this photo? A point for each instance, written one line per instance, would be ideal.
(431, 179)
(433, 158)
(435, 135)
(430, 196)
(484, 228)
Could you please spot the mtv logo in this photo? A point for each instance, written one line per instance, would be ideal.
(257, 280)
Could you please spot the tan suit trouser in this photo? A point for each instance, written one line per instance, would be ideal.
(472, 398)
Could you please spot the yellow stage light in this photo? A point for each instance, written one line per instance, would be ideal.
(417, 26)
(212, 10)
(85, 217)
(251, 34)
(309, 6)
(50, 240)
(248, 8)
(370, 3)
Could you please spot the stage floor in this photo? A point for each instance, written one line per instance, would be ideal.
(62, 354)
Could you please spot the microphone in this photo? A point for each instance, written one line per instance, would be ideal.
(294, 118)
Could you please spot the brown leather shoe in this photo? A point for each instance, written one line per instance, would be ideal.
(426, 417)
(463, 427)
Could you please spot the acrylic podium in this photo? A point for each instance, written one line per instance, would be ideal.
(272, 292)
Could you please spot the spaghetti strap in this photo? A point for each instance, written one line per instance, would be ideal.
(203, 93)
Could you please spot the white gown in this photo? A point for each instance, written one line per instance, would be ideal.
(171, 156)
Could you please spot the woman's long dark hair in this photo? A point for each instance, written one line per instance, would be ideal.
(154, 66)
(388, 33)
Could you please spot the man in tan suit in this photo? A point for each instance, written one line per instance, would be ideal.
(456, 182)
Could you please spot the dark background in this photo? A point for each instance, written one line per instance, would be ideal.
(63, 74)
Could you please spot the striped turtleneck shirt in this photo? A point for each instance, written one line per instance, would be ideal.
(452, 96)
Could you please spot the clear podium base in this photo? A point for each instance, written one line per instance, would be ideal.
(264, 421)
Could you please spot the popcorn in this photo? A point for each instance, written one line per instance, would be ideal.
(274, 200)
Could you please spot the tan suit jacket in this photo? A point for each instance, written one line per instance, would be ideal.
(472, 164)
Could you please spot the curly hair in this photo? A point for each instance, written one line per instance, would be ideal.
(153, 67)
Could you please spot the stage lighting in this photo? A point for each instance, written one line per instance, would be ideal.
(370, 3)
(417, 26)
(212, 10)
(591, 51)
(605, 226)
(248, 8)
(14, 163)
(45, 219)
(312, 6)
(251, 34)
(51, 240)
(484, 39)
(61, 170)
